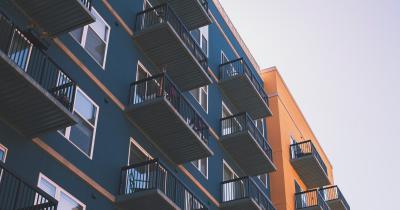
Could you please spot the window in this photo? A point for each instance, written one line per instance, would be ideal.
(82, 134)
(228, 173)
(65, 200)
(3, 153)
(137, 154)
(264, 179)
(201, 96)
(94, 38)
(260, 125)
(202, 166)
(224, 59)
(201, 37)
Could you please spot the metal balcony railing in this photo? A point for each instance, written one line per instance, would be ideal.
(17, 194)
(242, 188)
(239, 67)
(204, 3)
(87, 4)
(164, 14)
(310, 198)
(333, 193)
(23, 50)
(152, 175)
(161, 85)
(305, 148)
(242, 122)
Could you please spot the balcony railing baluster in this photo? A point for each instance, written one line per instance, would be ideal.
(310, 198)
(239, 67)
(17, 194)
(243, 122)
(34, 61)
(242, 188)
(301, 149)
(332, 193)
(154, 175)
(163, 13)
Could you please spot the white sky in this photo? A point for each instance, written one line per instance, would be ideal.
(341, 61)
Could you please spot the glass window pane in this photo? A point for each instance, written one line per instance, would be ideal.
(204, 99)
(82, 135)
(2, 155)
(47, 187)
(196, 35)
(77, 34)
(204, 45)
(99, 27)
(95, 46)
(196, 93)
(85, 108)
(136, 155)
(67, 203)
(204, 166)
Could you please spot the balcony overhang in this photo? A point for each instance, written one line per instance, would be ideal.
(25, 105)
(310, 171)
(57, 16)
(245, 203)
(193, 13)
(244, 96)
(148, 199)
(168, 130)
(336, 204)
(250, 157)
(162, 45)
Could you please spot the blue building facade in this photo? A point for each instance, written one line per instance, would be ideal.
(129, 105)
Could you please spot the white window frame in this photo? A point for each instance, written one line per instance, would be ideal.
(227, 108)
(5, 150)
(83, 40)
(59, 190)
(223, 55)
(262, 124)
(134, 142)
(224, 163)
(266, 181)
(199, 100)
(199, 167)
(67, 134)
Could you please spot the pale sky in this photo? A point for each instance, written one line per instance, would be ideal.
(341, 61)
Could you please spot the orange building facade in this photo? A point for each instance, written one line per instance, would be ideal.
(304, 176)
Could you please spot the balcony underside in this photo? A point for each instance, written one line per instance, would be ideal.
(242, 93)
(146, 200)
(310, 171)
(26, 106)
(312, 208)
(241, 204)
(168, 130)
(56, 16)
(247, 153)
(336, 205)
(191, 12)
(165, 48)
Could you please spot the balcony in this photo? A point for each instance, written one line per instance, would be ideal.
(193, 13)
(240, 86)
(57, 16)
(169, 45)
(245, 143)
(17, 194)
(310, 200)
(243, 193)
(163, 113)
(150, 185)
(334, 198)
(36, 95)
(309, 164)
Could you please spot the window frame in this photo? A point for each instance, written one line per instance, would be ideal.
(134, 142)
(199, 98)
(67, 133)
(199, 167)
(225, 163)
(5, 150)
(59, 190)
(262, 125)
(223, 55)
(266, 184)
(83, 40)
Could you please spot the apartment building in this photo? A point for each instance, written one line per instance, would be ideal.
(133, 104)
(304, 179)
